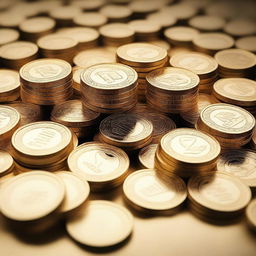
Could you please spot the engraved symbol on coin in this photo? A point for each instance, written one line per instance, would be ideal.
(153, 189)
(229, 119)
(142, 53)
(241, 167)
(190, 146)
(46, 71)
(173, 79)
(4, 119)
(109, 76)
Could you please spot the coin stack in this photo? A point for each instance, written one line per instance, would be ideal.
(236, 63)
(212, 197)
(146, 156)
(232, 126)
(80, 120)
(46, 81)
(42, 145)
(148, 194)
(9, 85)
(109, 88)
(6, 163)
(172, 90)
(34, 28)
(253, 141)
(237, 91)
(77, 71)
(116, 34)
(102, 165)
(58, 46)
(250, 214)
(142, 57)
(127, 131)
(15, 55)
(203, 65)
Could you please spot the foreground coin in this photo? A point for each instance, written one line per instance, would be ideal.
(147, 192)
(101, 224)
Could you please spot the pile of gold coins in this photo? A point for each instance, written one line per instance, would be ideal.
(115, 108)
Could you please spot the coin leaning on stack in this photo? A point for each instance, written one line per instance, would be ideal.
(6, 163)
(186, 152)
(109, 88)
(42, 145)
(46, 81)
(143, 58)
(232, 126)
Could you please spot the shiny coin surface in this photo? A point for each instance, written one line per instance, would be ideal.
(251, 214)
(144, 189)
(101, 224)
(6, 163)
(32, 195)
(147, 156)
(8, 35)
(90, 19)
(247, 43)
(76, 191)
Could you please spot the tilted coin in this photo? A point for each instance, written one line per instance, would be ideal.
(6, 163)
(147, 156)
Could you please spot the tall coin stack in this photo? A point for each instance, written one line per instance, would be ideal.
(232, 126)
(109, 88)
(46, 81)
(186, 152)
(143, 58)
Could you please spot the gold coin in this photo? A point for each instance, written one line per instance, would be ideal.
(99, 163)
(237, 91)
(67, 12)
(76, 191)
(247, 43)
(141, 54)
(116, 13)
(90, 19)
(251, 214)
(190, 146)
(144, 27)
(116, 31)
(221, 192)
(89, 5)
(144, 189)
(224, 119)
(31, 196)
(204, 100)
(6, 163)
(240, 163)
(235, 59)
(147, 156)
(163, 19)
(8, 35)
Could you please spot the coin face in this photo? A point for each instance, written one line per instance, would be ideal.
(141, 53)
(145, 189)
(98, 162)
(227, 118)
(126, 128)
(9, 80)
(41, 138)
(240, 90)
(207, 22)
(147, 156)
(116, 30)
(37, 25)
(31, 195)
(235, 59)
(8, 35)
(45, 70)
(109, 76)
(196, 62)
(6, 162)
(247, 43)
(18, 50)
(174, 79)
(90, 19)
(251, 213)
(221, 192)
(94, 226)
(181, 34)
(76, 190)
(190, 146)
(9, 119)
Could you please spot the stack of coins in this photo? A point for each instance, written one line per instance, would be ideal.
(28, 112)
(247, 43)
(203, 65)
(237, 91)
(46, 81)
(143, 58)
(172, 90)
(90, 19)
(58, 46)
(30, 202)
(116, 34)
(8, 35)
(15, 55)
(240, 163)
(186, 152)
(147, 156)
(9, 122)
(102, 165)
(116, 13)
(86, 37)
(33, 28)
(77, 71)
(236, 63)
(253, 141)
(6, 163)
(80, 120)
(210, 43)
(43, 145)
(250, 214)
(212, 197)
(145, 30)
(109, 88)
(181, 35)
(232, 126)
(9, 85)
(146, 193)
(127, 131)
